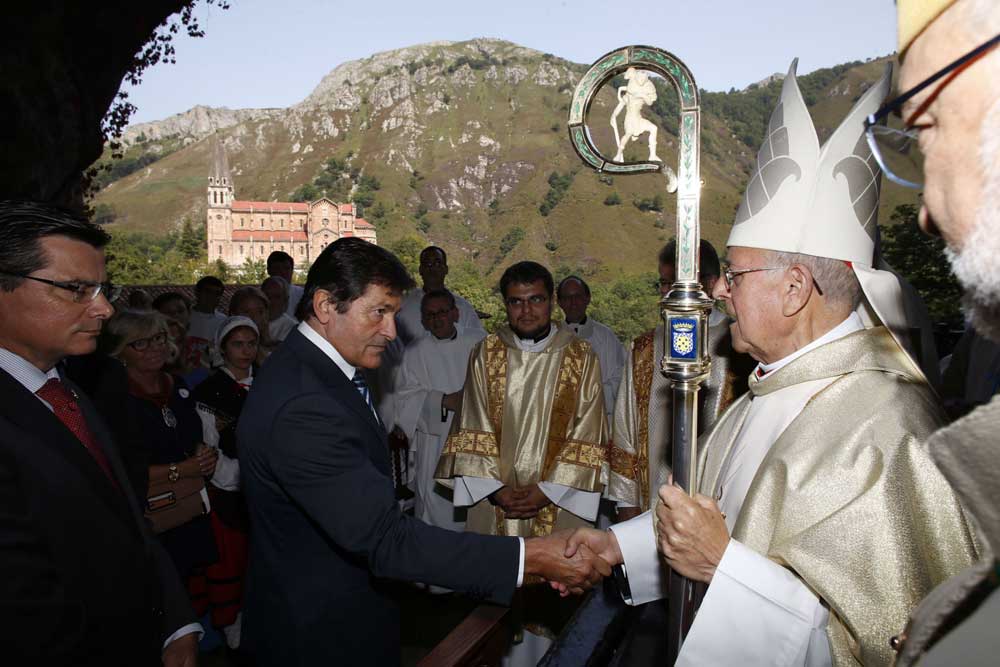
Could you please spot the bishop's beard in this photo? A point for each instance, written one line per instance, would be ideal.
(977, 265)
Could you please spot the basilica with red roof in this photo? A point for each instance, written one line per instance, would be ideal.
(238, 230)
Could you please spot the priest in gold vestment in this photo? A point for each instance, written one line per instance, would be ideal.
(528, 451)
(820, 520)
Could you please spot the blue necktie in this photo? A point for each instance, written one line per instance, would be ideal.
(362, 387)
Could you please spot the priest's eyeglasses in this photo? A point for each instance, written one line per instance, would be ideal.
(533, 300)
(896, 150)
(83, 291)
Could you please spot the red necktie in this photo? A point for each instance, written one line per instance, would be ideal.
(66, 408)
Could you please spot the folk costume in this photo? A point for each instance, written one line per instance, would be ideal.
(840, 522)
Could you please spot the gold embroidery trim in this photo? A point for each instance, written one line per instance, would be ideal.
(642, 383)
(467, 441)
(496, 382)
(564, 405)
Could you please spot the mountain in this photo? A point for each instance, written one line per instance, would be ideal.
(464, 144)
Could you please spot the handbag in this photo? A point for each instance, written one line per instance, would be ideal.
(172, 504)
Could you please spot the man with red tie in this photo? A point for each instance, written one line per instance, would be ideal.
(84, 582)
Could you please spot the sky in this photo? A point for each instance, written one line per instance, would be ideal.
(262, 53)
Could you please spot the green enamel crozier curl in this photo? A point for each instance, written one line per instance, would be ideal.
(685, 309)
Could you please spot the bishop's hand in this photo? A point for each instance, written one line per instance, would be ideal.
(691, 533)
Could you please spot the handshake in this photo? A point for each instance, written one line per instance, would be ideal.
(572, 561)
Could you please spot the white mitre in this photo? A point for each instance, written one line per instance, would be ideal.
(822, 201)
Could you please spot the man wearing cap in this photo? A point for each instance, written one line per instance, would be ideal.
(950, 102)
(819, 521)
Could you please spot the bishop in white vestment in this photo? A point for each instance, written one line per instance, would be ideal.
(819, 521)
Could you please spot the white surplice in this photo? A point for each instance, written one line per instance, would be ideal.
(755, 612)
(432, 368)
(610, 354)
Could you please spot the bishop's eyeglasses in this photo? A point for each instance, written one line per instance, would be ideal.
(896, 150)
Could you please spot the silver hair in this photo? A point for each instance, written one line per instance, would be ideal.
(835, 278)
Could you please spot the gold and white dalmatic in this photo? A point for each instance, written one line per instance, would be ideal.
(530, 414)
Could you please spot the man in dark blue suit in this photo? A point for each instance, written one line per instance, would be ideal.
(82, 580)
(326, 527)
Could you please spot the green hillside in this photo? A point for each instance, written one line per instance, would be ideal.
(465, 141)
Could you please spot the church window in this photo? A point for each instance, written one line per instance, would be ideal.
(262, 223)
(326, 222)
(220, 251)
(218, 217)
(262, 250)
(241, 249)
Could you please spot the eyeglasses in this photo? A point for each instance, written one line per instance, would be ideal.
(143, 344)
(83, 291)
(533, 300)
(897, 151)
(731, 275)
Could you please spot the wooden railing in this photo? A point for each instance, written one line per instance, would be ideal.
(478, 641)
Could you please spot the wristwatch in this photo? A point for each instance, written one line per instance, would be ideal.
(173, 474)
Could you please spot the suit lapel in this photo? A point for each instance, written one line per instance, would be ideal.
(340, 386)
(29, 414)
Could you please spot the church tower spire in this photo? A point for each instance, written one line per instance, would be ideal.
(220, 181)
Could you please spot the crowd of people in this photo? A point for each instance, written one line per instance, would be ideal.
(166, 466)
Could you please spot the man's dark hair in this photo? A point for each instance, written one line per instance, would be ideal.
(708, 260)
(167, 297)
(434, 248)
(208, 281)
(437, 294)
(583, 283)
(24, 223)
(525, 273)
(346, 268)
(279, 257)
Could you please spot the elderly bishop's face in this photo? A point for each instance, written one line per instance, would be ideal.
(753, 301)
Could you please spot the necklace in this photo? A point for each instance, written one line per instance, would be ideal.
(168, 417)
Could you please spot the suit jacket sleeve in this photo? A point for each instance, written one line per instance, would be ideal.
(325, 465)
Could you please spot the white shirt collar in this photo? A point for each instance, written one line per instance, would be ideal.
(582, 329)
(328, 349)
(528, 345)
(25, 372)
(247, 381)
(850, 325)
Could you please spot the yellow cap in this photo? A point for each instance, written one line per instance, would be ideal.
(915, 15)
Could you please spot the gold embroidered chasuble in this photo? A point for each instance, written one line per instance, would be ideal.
(529, 417)
(847, 497)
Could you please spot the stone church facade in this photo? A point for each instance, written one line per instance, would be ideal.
(238, 230)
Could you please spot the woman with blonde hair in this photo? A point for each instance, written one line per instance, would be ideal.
(162, 417)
